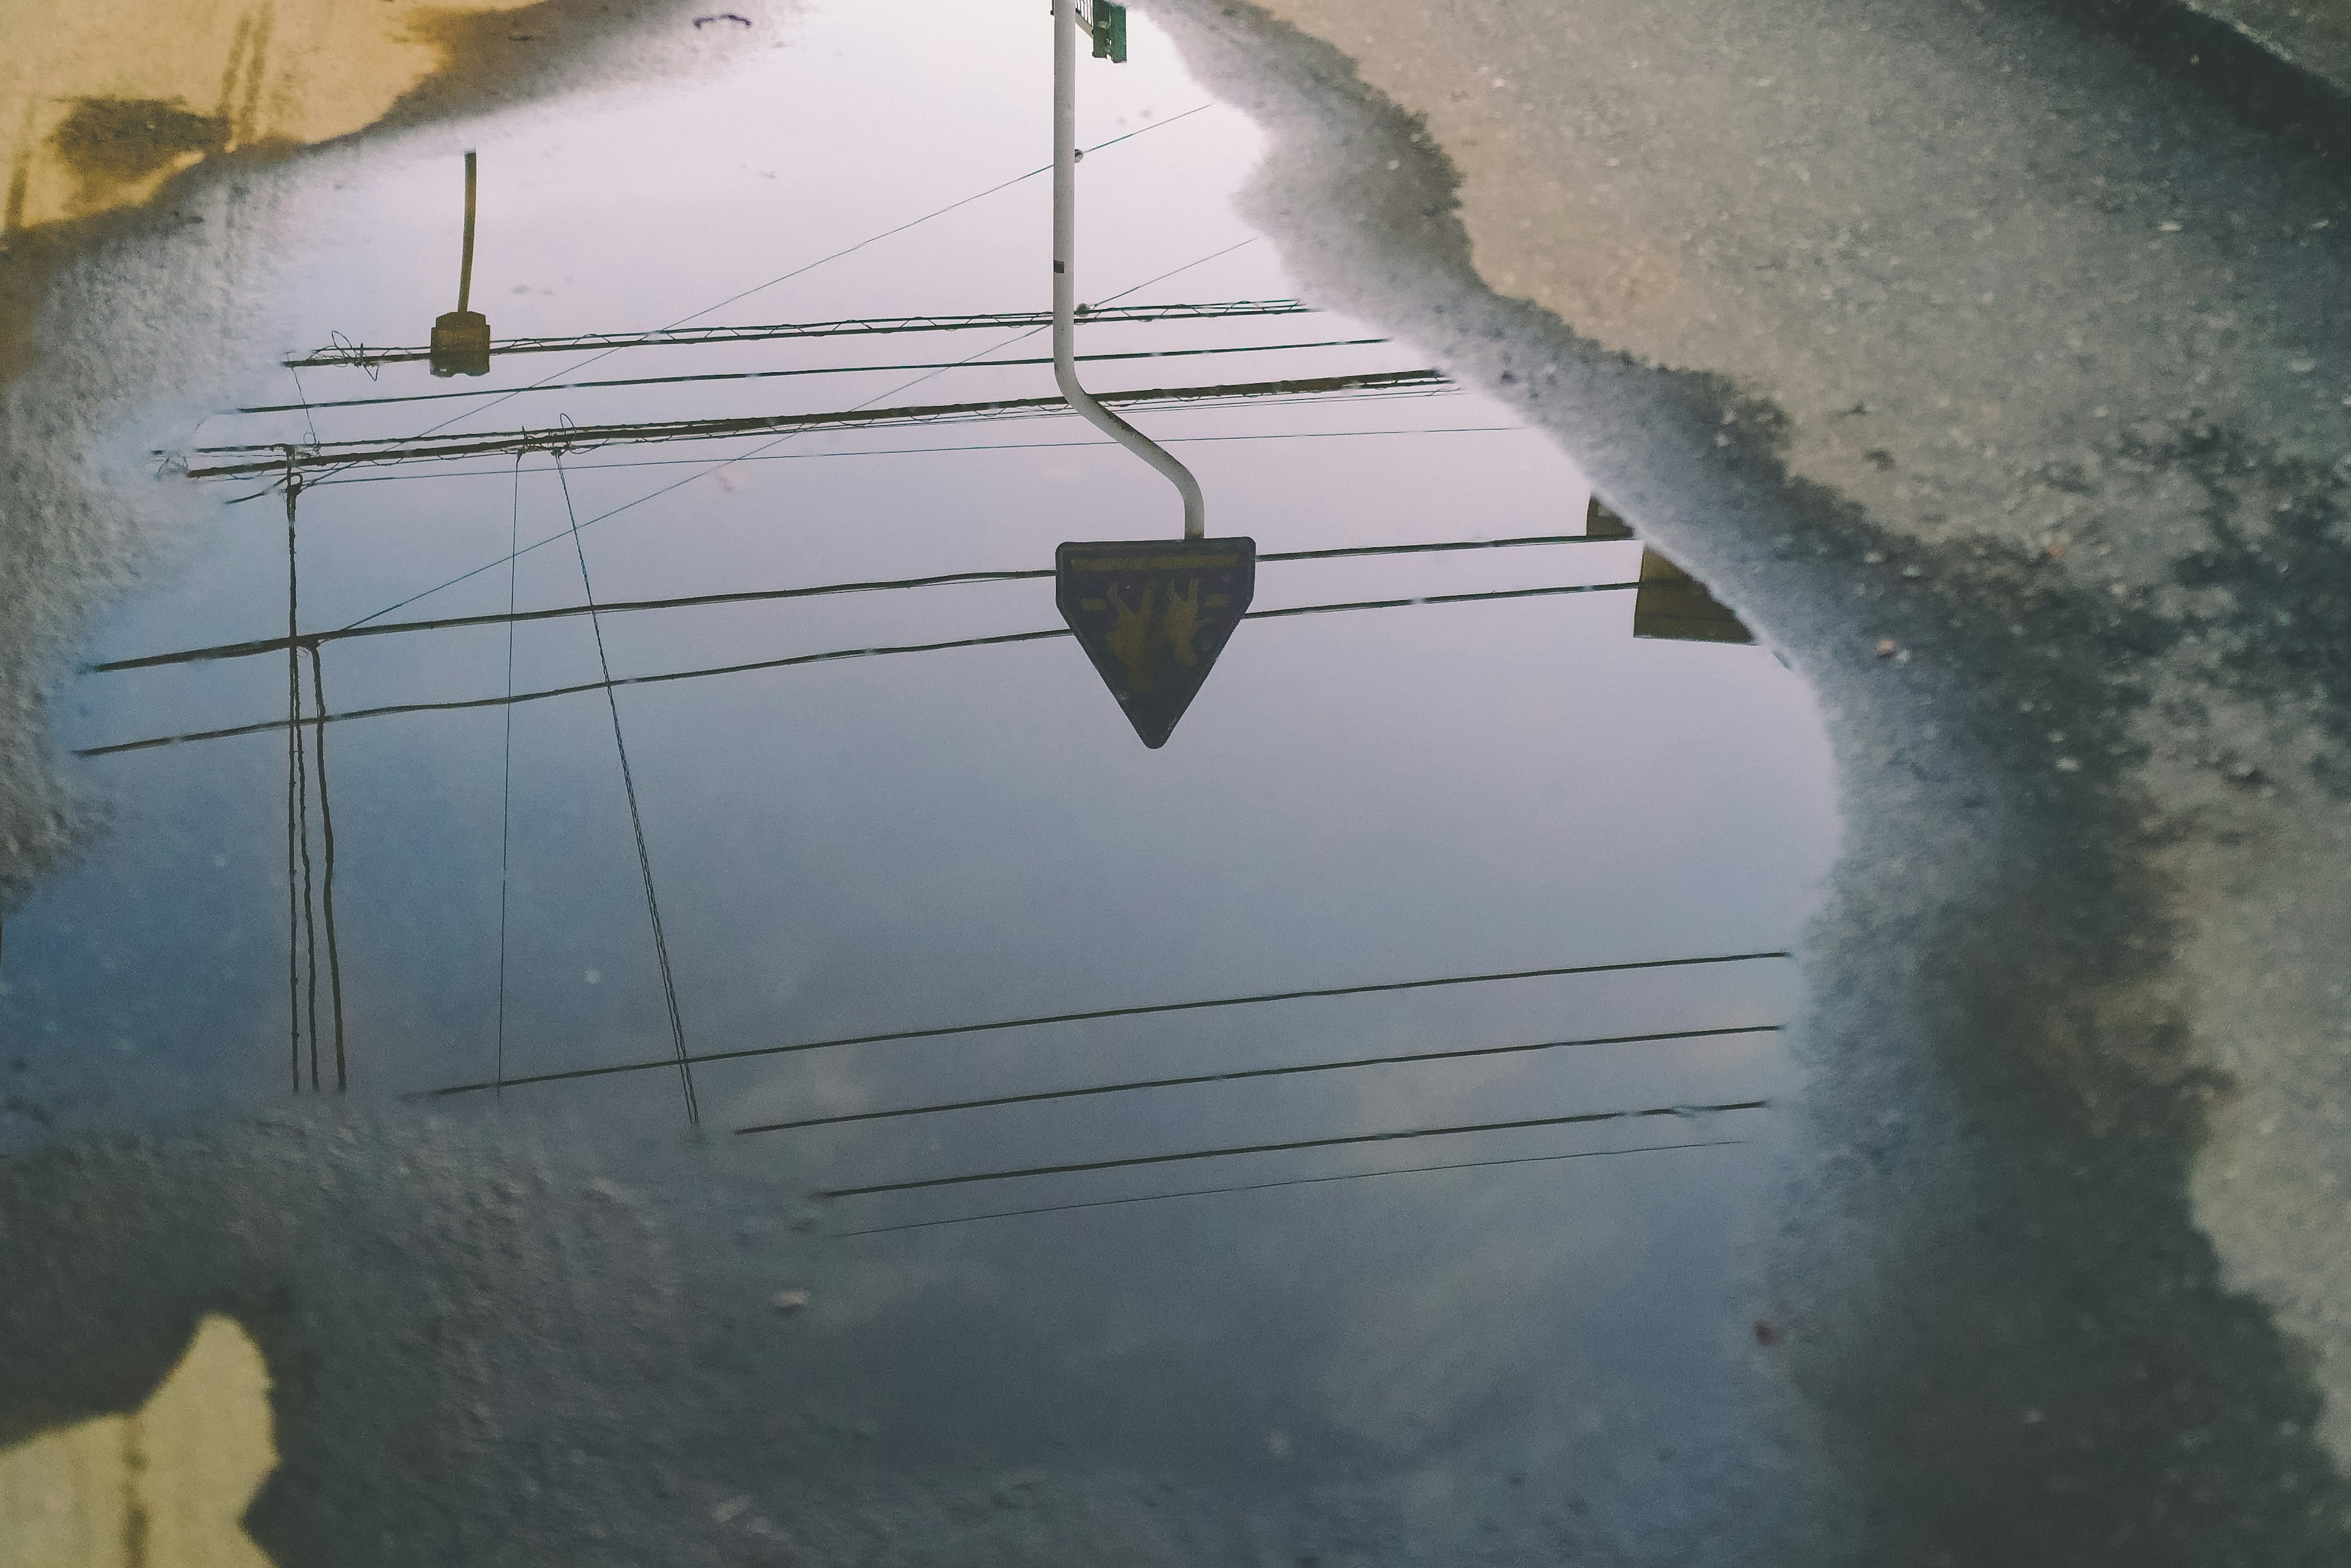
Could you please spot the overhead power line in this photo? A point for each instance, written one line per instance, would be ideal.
(764, 595)
(854, 327)
(835, 255)
(411, 449)
(801, 370)
(831, 656)
(1290, 1181)
(1143, 1011)
(636, 821)
(1239, 1075)
(812, 266)
(1075, 1167)
(930, 451)
(720, 465)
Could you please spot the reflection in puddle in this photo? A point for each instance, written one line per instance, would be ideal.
(461, 338)
(99, 110)
(707, 750)
(165, 1485)
(1671, 603)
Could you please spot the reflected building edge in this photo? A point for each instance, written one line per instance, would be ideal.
(1670, 604)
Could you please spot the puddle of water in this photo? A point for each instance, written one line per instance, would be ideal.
(1472, 891)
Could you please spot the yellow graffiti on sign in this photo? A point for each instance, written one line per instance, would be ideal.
(1152, 618)
(1138, 635)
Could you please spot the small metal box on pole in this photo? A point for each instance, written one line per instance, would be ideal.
(1110, 32)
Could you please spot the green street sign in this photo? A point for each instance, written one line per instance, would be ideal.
(1153, 615)
(1110, 32)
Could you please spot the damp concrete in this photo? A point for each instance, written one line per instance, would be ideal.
(1997, 373)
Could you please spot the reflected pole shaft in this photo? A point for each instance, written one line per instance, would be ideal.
(1065, 278)
(466, 258)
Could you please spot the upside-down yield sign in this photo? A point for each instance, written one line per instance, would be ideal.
(1153, 615)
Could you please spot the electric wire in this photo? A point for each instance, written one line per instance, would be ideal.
(1291, 1181)
(769, 446)
(926, 450)
(345, 354)
(336, 455)
(1239, 1075)
(636, 819)
(765, 595)
(460, 704)
(836, 256)
(505, 784)
(810, 370)
(1377, 988)
(304, 405)
(1127, 1162)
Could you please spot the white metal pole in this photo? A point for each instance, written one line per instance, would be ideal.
(1065, 277)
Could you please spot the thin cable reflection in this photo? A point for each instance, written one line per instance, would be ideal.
(1127, 1162)
(1291, 1181)
(1241, 1073)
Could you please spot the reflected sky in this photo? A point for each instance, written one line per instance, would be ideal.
(911, 842)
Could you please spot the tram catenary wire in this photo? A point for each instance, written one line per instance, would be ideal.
(1376, 987)
(1076, 1167)
(1288, 1181)
(817, 591)
(836, 655)
(1239, 1075)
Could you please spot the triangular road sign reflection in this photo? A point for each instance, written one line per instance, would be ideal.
(1153, 615)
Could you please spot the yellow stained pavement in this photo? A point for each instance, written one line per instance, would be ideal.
(100, 104)
(164, 1486)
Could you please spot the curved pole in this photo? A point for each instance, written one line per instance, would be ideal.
(1065, 281)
